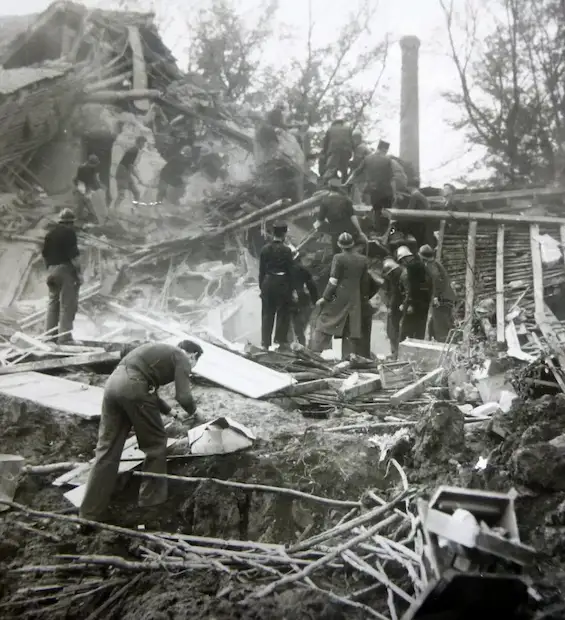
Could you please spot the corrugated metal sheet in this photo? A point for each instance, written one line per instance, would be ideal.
(12, 80)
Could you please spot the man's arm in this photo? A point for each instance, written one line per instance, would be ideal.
(164, 406)
(183, 391)
(321, 215)
(335, 274)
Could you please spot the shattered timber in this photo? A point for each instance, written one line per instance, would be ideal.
(309, 487)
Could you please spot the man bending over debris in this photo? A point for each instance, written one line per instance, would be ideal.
(131, 399)
(275, 282)
(60, 253)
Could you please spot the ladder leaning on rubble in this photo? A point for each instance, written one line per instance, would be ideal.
(474, 266)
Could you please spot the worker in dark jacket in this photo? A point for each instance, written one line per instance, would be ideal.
(415, 284)
(337, 210)
(131, 399)
(306, 297)
(340, 306)
(337, 150)
(61, 255)
(443, 295)
(393, 299)
(172, 172)
(126, 171)
(275, 284)
(86, 181)
(378, 175)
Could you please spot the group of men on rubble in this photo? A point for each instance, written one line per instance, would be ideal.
(416, 286)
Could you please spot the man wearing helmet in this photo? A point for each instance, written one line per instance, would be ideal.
(393, 300)
(337, 210)
(416, 290)
(60, 253)
(340, 305)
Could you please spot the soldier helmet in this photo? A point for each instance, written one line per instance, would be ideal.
(345, 240)
(357, 133)
(389, 265)
(66, 216)
(426, 251)
(93, 160)
(402, 252)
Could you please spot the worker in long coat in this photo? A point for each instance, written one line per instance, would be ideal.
(131, 399)
(443, 295)
(340, 305)
(415, 284)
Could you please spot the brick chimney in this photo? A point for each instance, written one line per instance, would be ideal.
(409, 103)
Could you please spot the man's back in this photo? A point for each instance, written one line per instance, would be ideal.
(340, 137)
(60, 245)
(156, 362)
(378, 170)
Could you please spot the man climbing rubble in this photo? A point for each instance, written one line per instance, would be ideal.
(337, 214)
(131, 399)
(443, 295)
(86, 181)
(416, 291)
(275, 283)
(337, 149)
(126, 171)
(378, 175)
(172, 173)
(306, 298)
(61, 255)
(340, 306)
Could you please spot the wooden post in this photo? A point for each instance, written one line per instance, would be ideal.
(500, 323)
(539, 312)
(470, 280)
(562, 234)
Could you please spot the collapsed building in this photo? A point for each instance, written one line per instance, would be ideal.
(322, 465)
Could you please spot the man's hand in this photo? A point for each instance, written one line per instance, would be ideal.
(317, 224)
(294, 296)
(321, 302)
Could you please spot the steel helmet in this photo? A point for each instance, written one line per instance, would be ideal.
(402, 252)
(426, 251)
(66, 216)
(389, 265)
(345, 240)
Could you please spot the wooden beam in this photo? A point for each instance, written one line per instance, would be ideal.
(65, 362)
(478, 216)
(416, 388)
(470, 280)
(500, 313)
(562, 235)
(539, 305)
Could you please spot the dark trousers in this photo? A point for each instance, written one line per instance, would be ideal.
(360, 346)
(393, 330)
(63, 286)
(337, 161)
(379, 202)
(276, 297)
(125, 182)
(414, 325)
(442, 321)
(127, 402)
(300, 316)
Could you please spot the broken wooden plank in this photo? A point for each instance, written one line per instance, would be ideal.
(500, 314)
(416, 388)
(65, 362)
(470, 280)
(537, 270)
(306, 387)
(54, 393)
(24, 341)
(140, 80)
(365, 385)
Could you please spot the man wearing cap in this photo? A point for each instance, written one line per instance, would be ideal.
(340, 306)
(378, 174)
(131, 399)
(275, 284)
(416, 290)
(393, 300)
(337, 150)
(306, 297)
(61, 255)
(337, 210)
(443, 295)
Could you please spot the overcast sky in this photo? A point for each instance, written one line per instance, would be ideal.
(444, 154)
